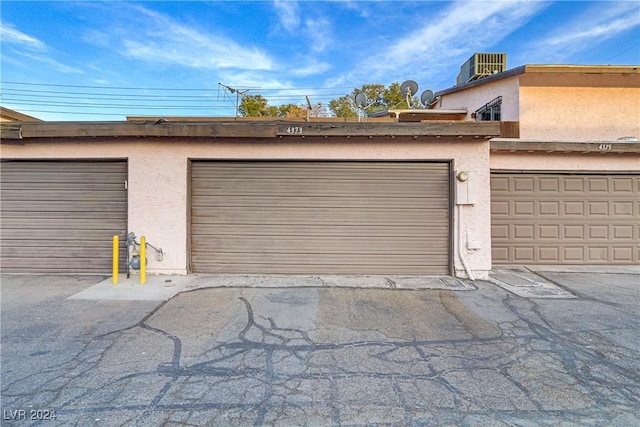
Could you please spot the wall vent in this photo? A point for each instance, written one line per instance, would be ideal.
(482, 65)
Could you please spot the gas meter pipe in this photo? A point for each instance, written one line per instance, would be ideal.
(143, 260)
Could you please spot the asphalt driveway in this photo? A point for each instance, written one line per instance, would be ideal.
(324, 355)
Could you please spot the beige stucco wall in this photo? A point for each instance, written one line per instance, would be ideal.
(579, 113)
(569, 104)
(158, 199)
(565, 161)
(476, 97)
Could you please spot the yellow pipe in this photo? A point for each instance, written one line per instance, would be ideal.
(115, 259)
(143, 260)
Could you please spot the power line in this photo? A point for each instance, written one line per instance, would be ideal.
(39, 97)
(623, 52)
(74, 112)
(173, 89)
(29, 92)
(134, 106)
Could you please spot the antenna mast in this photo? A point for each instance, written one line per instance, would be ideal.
(238, 93)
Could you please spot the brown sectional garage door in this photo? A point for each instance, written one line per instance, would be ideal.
(319, 217)
(562, 218)
(60, 216)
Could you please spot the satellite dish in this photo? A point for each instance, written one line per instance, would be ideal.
(361, 100)
(409, 88)
(426, 98)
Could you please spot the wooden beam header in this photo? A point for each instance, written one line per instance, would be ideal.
(515, 145)
(243, 129)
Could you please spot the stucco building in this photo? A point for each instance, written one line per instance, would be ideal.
(443, 197)
(560, 192)
(247, 197)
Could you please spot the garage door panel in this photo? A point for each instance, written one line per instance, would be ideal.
(307, 186)
(624, 232)
(346, 202)
(60, 216)
(292, 215)
(624, 253)
(547, 254)
(320, 217)
(568, 219)
(548, 185)
(67, 224)
(550, 232)
(320, 244)
(118, 215)
(52, 250)
(62, 207)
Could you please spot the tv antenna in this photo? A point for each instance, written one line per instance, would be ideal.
(309, 107)
(238, 93)
(408, 89)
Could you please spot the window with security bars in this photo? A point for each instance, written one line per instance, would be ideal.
(491, 111)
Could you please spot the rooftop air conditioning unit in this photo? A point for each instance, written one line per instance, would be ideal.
(482, 65)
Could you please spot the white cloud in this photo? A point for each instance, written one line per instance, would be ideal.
(310, 67)
(63, 68)
(248, 79)
(26, 46)
(9, 34)
(288, 13)
(432, 45)
(318, 31)
(586, 30)
(163, 40)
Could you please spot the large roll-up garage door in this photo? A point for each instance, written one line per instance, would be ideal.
(60, 216)
(565, 218)
(319, 217)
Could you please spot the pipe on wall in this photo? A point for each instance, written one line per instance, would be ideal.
(460, 246)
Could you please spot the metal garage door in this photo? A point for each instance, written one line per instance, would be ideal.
(563, 218)
(320, 217)
(60, 216)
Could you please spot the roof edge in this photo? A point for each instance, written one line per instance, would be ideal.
(548, 146)
(232, 129)
(545, 68)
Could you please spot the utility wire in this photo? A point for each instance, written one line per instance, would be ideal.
(174, 89)
(126, 97)
(32, 97)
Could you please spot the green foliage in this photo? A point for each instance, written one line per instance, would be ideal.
(253, 106)
(257, 106)
(343, 107)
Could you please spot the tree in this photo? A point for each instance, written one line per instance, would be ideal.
(343, 107)
(257, 106)
(292, 111)
(253, 106)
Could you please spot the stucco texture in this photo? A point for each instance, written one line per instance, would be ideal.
(629, 162)
(158, 179)
(477, 97)
(579, 113)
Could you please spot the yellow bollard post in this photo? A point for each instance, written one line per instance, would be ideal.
(115, 259)
(143, 260)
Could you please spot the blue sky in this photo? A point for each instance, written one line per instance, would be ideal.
(104, 60)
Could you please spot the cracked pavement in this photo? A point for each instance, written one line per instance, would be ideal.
(324, 356)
